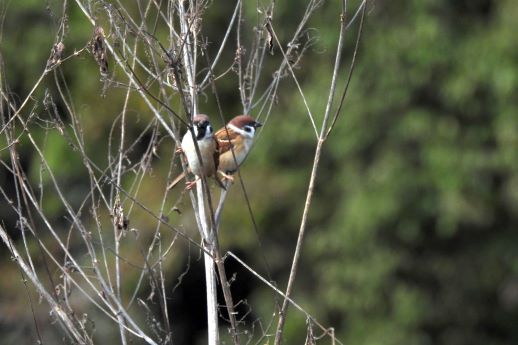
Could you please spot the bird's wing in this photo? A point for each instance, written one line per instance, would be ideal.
(216, 153)
(226, 139)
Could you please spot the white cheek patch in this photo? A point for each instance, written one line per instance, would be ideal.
(243, 132)
(208, 132)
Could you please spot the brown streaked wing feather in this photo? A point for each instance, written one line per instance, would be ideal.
(226, 141)
(216, 154)
(216, 163)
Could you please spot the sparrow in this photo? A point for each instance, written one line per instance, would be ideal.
(208, 145)
(237, 136)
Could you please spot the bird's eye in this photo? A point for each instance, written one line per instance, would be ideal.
(248, 129)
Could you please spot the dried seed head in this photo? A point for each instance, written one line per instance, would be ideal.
(99, 50)
(55, 55)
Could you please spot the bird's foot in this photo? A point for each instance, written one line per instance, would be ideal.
(190, 184)
(226, 177)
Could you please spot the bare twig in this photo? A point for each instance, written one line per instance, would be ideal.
(169, 81)
(312, 181)
(363, 8)
(66, 321)
(280, 293)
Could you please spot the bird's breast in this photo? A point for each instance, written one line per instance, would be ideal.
(241, 149)
(207, 148)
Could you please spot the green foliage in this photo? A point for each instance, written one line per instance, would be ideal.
(412, 252)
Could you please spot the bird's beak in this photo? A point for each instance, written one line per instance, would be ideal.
(257, 124)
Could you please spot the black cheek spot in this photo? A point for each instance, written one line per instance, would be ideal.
(201, 133)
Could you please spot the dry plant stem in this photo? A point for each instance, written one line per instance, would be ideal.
(222, 46)
(188, 13)
(280, 293)
(220, 263)
(221, 204)
(225, 286)
(66, 273)
(19, 177)
(363, 9)
(269, 96)
(208, 229)
(212, 255)
(256, 65)
(119, 174)
(111, 301)
(298, 248)
(94, 183)
(130, 75)
(66, 322)
(31, 303)
(105, 289)
(312, 181)
(16, 177)
(156, 238)
(115, 303)
(116, 231)
(189, 60)
(24, 103)
(22, 226)
(210, 277)
(132, 79)
(240, 52)
(157, 218)
(311, 118)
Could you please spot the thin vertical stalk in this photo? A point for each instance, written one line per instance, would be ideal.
(189, 59)
(210, 277)
(314, 172)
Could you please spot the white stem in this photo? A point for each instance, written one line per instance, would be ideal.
(212, 307)
(210, 278)
(189, 59)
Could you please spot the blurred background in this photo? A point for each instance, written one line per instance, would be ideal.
(412, 236)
